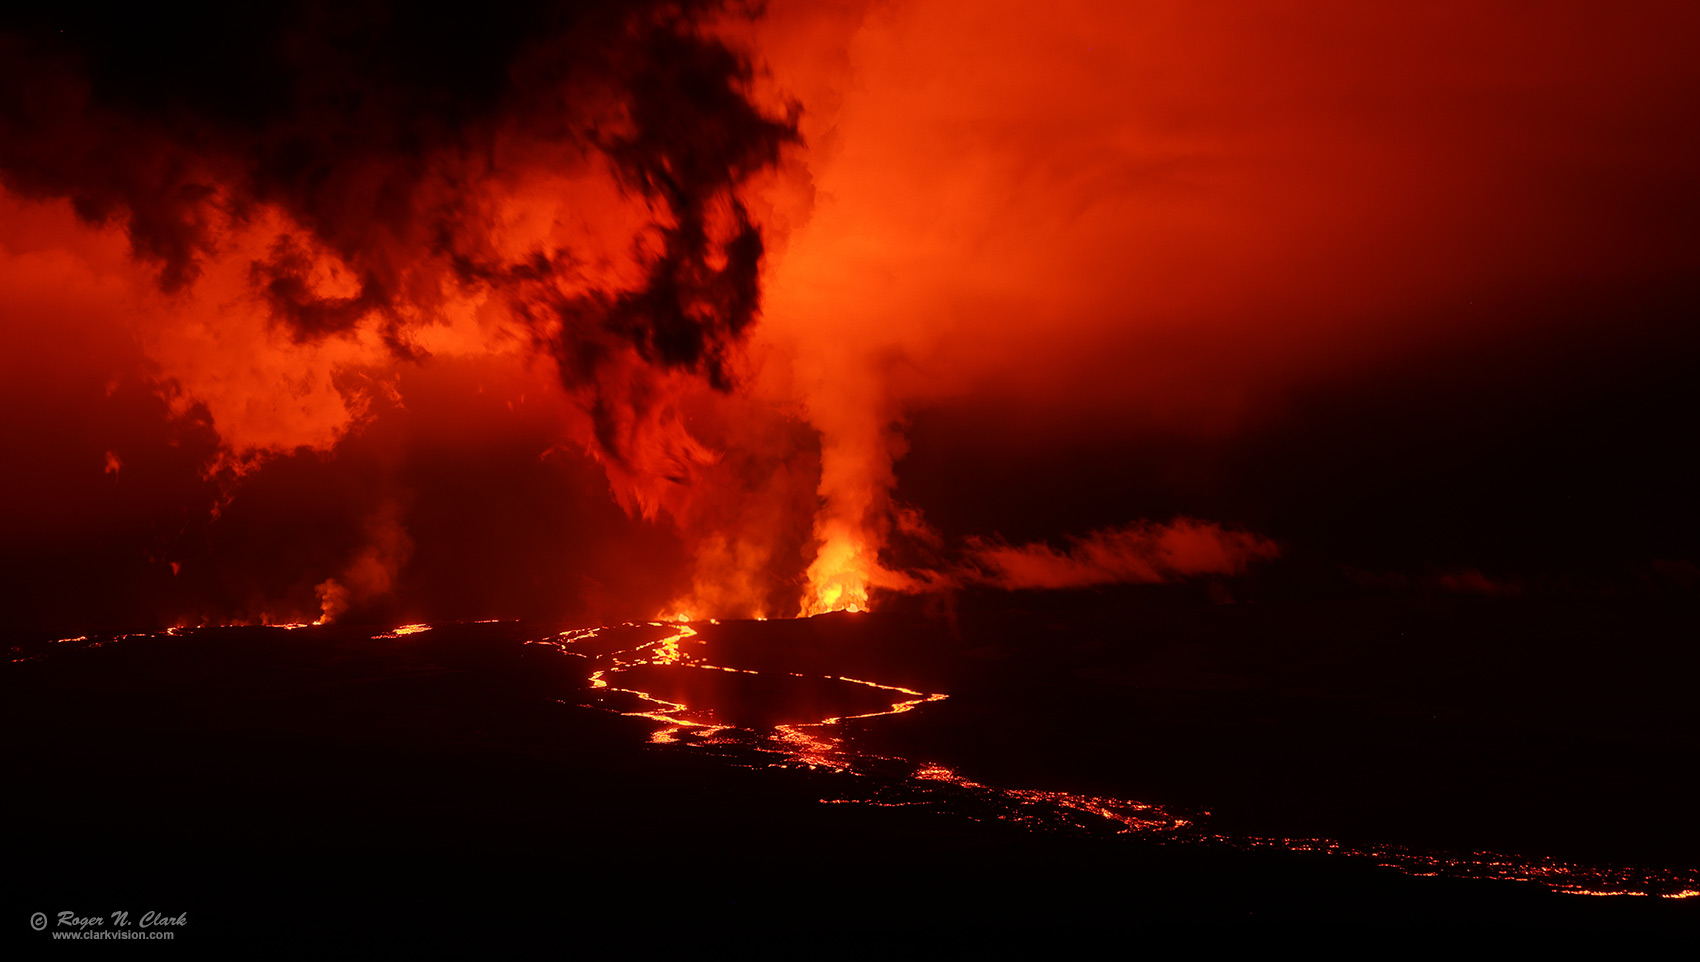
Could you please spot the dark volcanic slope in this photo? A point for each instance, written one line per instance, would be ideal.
(322, 783)
(1564, 729)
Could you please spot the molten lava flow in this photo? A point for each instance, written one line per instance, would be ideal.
(701, 722)
(402, 630)
(827, 744)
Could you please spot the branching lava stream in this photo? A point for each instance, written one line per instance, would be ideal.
(660, 672)
(824, 744)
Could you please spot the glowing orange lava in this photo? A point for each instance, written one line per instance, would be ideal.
(838, 578)
(402, 630)
(825, 745)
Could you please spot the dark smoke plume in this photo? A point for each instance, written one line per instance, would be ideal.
(371, 126)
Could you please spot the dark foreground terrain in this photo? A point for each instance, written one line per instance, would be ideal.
(321, 786)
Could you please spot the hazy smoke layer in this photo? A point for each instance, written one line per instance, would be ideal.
(1137, 554)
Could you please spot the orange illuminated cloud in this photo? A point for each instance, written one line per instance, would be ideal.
(285, 215)
(713, 273)
(1143, 553)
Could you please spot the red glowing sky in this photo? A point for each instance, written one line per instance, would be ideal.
(461, 322)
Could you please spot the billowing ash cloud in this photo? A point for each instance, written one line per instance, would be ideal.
(434, 287)
(321, 192)
(387, 137)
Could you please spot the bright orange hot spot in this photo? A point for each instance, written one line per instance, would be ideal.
(838, 578)
(403, 630)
